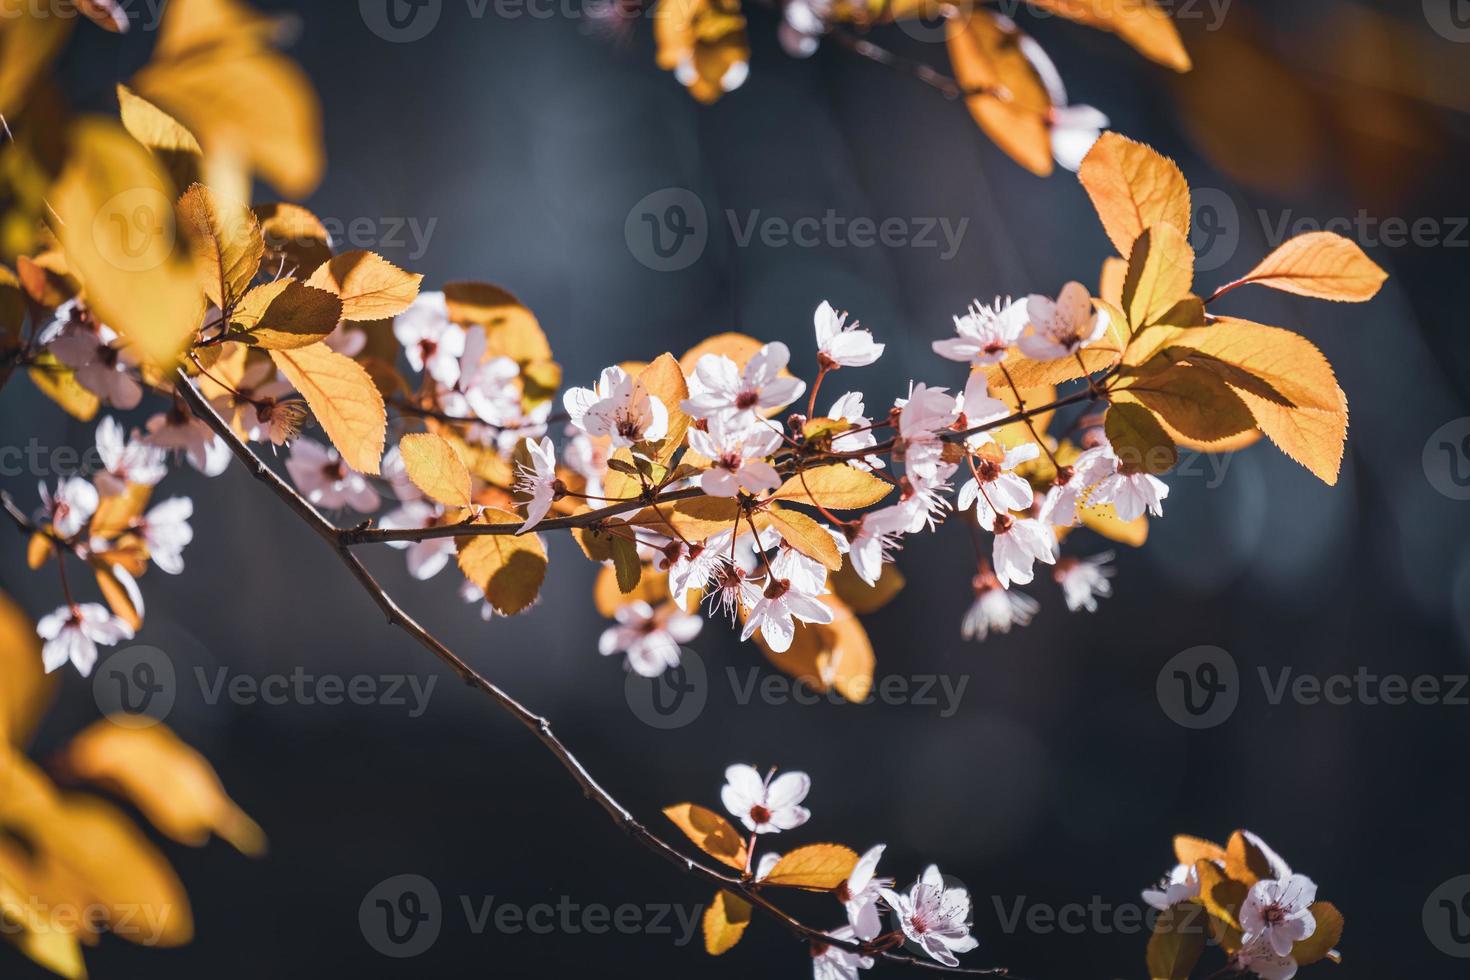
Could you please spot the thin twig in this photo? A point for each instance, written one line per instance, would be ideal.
(338, 540)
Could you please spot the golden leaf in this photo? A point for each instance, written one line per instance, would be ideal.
(816, 867)
(1133, 188)
(652, 588)
(802, 533)
(710, 832)
(836, 487)
(1188, 850)
(511, 330)
(120, 591)
(835, 656)
(116, 513)
(436, 469)
(1327, 935)
(60, 384)
(1222, 898)
(1160, 275)
(213, 70)
(627, 566)
(1139, 440)
(1196, 407)
(1012, 104)
(224, 240)
(173, 785)
(28, 689)
(724, 922)
(706, 39)
(1284, 380)
(861, 597)
(1110, 280)
(509, 569)
(696, 518)
(174, 145)
(286, 314)
(115, 208)
(344, 400)
(40, 934)
(371, 287)
(296, 241)
(1142, 24)
(1103, 519)
(1320, 264)
(1177, 942)
(31, 37)
(1245, 862)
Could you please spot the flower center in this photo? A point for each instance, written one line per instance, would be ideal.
(760, 814)
(335, 472)
(627, 428)
(777, 588)
(747, 399)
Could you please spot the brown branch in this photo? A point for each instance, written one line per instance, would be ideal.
(338, 540)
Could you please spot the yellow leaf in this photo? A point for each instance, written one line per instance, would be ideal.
(1139, 440)
(1320, 264)
(1221, 897)
(710, 832)
(509, 569)
(836, 487)
(1012, 104)
(1160, 275)
(32, 35)
(652, 588)
(28, 689)
(1188, 850)
(1327, 935)
(371, 287)
(174, 145)
(436, 469)
(1103, 519)
(861, 597)
(1143, 24)
(1245, 862)
(627, 566)
(224, 240)
(344, 400)
(1177, 942)
(1133, 188)
(213, 70)
(703, 41)
(1196, 407)
(114, 205)
(40, 935)
(296, 241)
(724, 922)
(120, 591)
(286, 314)
(1110, 281)
(511, 330)
(696, 518)
(802, 533)
(1284, 380)
(60, 384)
(816, 867)
(174, 786)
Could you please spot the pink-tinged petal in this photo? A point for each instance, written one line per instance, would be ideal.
(765, 364)
(788, 789)
(717, 374)
(789, 818)
(719, 482)
(577, 401)
(684, 628)
(781, 391)
(957, 349)
(827, 324)
(759, 476)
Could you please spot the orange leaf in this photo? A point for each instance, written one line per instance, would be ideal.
(344, 400)
(1133, 187)
(710, 832)
(1012, 105)
(436, 469)
(724, 922)
(836, 487)
(371, 287)
(1320, 264)
(816, 867)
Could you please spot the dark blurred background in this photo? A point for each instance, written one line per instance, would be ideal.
(517, 141)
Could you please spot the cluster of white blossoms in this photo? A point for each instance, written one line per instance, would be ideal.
(934, 916)
(1275, 916)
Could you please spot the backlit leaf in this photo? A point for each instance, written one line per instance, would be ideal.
(1328, 934)
(1133, 188)
(1139, 440)
(861, 597)
(1319, 264)
(836, 487)
(710, 832)
(1160, 275)
(285, 314)
(724, 922)
(1143, 24)
(60, 384)
(174, 145)
(802, 533)
(511, 330)
(816, 867)
(28, 689)
(1195, 406)
(344, 400)
(1011, 106)
(436, 469)
(1177, 942)
(296, 241)
(508, 568)
(835, 656)
(224, 241)
(371, 287)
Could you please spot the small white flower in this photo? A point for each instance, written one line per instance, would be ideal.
(617, 407)
(737, 457)
(126, 460)
(766, 806)
(1180, 885)
(166, 532)
(720, 388)
(780, 603)
(1259, 958)
(840, 344)
(425, 558)
(696, 565)
(100, 366)
(734, 592)
(859, 894)
(487, 387)
(925, 414)
(996, 609)
(178, 431)
(539, 480)
(73, 632)
(1019, 543)
(995, 489)
(875, 540)
(849, 408)
(1130, 491)
(836, 963)
(985, 333)
(1278, 912)
(1085, 580)
(1062, 327)
(319, 472)
(934, 917)
(429, 340)
(72, 506)
(651, 640)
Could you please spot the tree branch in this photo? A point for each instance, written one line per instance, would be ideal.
(339, 540)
